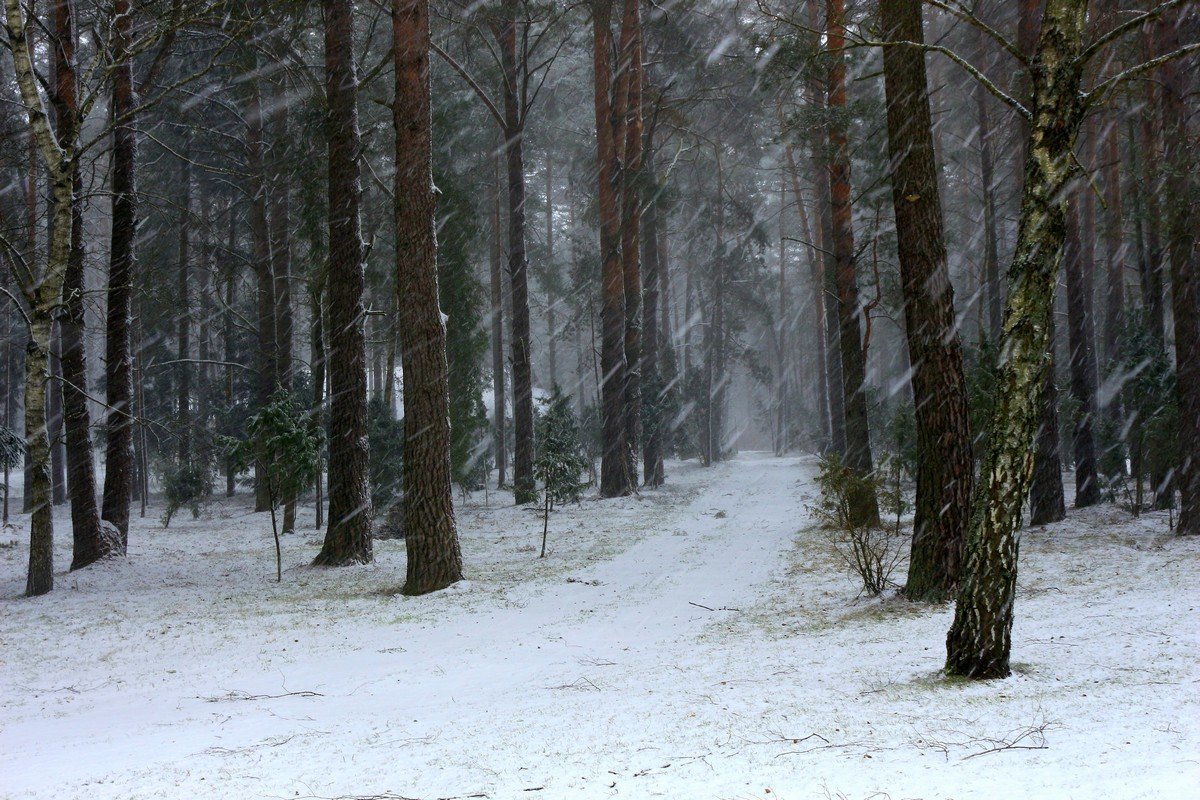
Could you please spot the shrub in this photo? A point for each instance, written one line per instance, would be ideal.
(872, 552)
(560, 458)
(287, 451)
(186, 486)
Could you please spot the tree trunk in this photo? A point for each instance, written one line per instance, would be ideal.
(865, 508)
(183, 370)
(281, 259)
(118, 359)
(1185, 274)
(552, 269)
(267, 352)
(652, 388)
(1081, 338)
(58, 439)
(524, 490)
(614, 466)
(497, 292)
(348, 537)
(1114, 246)
(816, 270)
(993, 296)
(1046, 501)
(631, 215)
(90, 543)
(945, 466)
(979, 642)
(229, 337)
(434, 559)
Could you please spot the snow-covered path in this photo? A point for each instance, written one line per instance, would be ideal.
(695, 642)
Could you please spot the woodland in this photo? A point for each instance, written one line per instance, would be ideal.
(670, 331)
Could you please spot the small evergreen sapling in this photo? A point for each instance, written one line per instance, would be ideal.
(560, 458)
(12, 448)
(286, 448)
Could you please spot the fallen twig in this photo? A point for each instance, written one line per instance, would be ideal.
(240, 695)
(710, 608)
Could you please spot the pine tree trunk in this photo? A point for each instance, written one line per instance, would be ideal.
(816, 270)
(865, 508)
(631, 214)
(524, 490)
(993, 296)
(281, 259)
(183, 370)
(652, 388)
(979, 642)
(90, 543)
(118, 359)
(497, 292)
(1081, 340)
(1046, 501)
(267, 353)
(58, 438)
(229, 337)
(552, 268)
(945, 466)
(434, 559)
(348, 537)
(1185, 274)
(1114, 246)
(614, 467)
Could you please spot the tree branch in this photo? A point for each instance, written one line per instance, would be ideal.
(1100, 93)
(466, 76)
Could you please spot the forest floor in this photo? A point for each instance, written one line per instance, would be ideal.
(698, 641)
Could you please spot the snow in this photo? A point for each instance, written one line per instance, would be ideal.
(698, 641)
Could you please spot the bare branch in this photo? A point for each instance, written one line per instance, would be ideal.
(954, 9)
(1102, 92)
(466, 76)
(1130, 24)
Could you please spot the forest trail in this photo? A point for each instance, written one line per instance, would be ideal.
(696, 641)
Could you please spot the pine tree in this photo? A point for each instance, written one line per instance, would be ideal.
(560, 458)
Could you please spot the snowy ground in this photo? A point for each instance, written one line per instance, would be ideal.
(696, 642)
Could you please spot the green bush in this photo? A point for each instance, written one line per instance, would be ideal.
(871, 552)
(186, 486)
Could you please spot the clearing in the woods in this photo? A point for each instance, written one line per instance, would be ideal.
(698, 641)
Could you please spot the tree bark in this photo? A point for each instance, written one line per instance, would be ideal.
(614, 467)
(1081, 338)
(183, 370)
(1185, 273)
(118, 360)
(980, 640)
(497, 292)
(652, 443)
(267, 352)
(41, 299)
(631, 215)
(524, 490)
(434, 559)
(945, 466)
(348, 537)
(1046, 499)
(865, 508)
(89, 539)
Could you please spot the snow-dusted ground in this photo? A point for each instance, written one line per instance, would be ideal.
(695, 642)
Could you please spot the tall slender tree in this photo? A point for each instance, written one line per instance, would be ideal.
(434, 559)
(944, 472)
(850, 310)
(348, 537)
